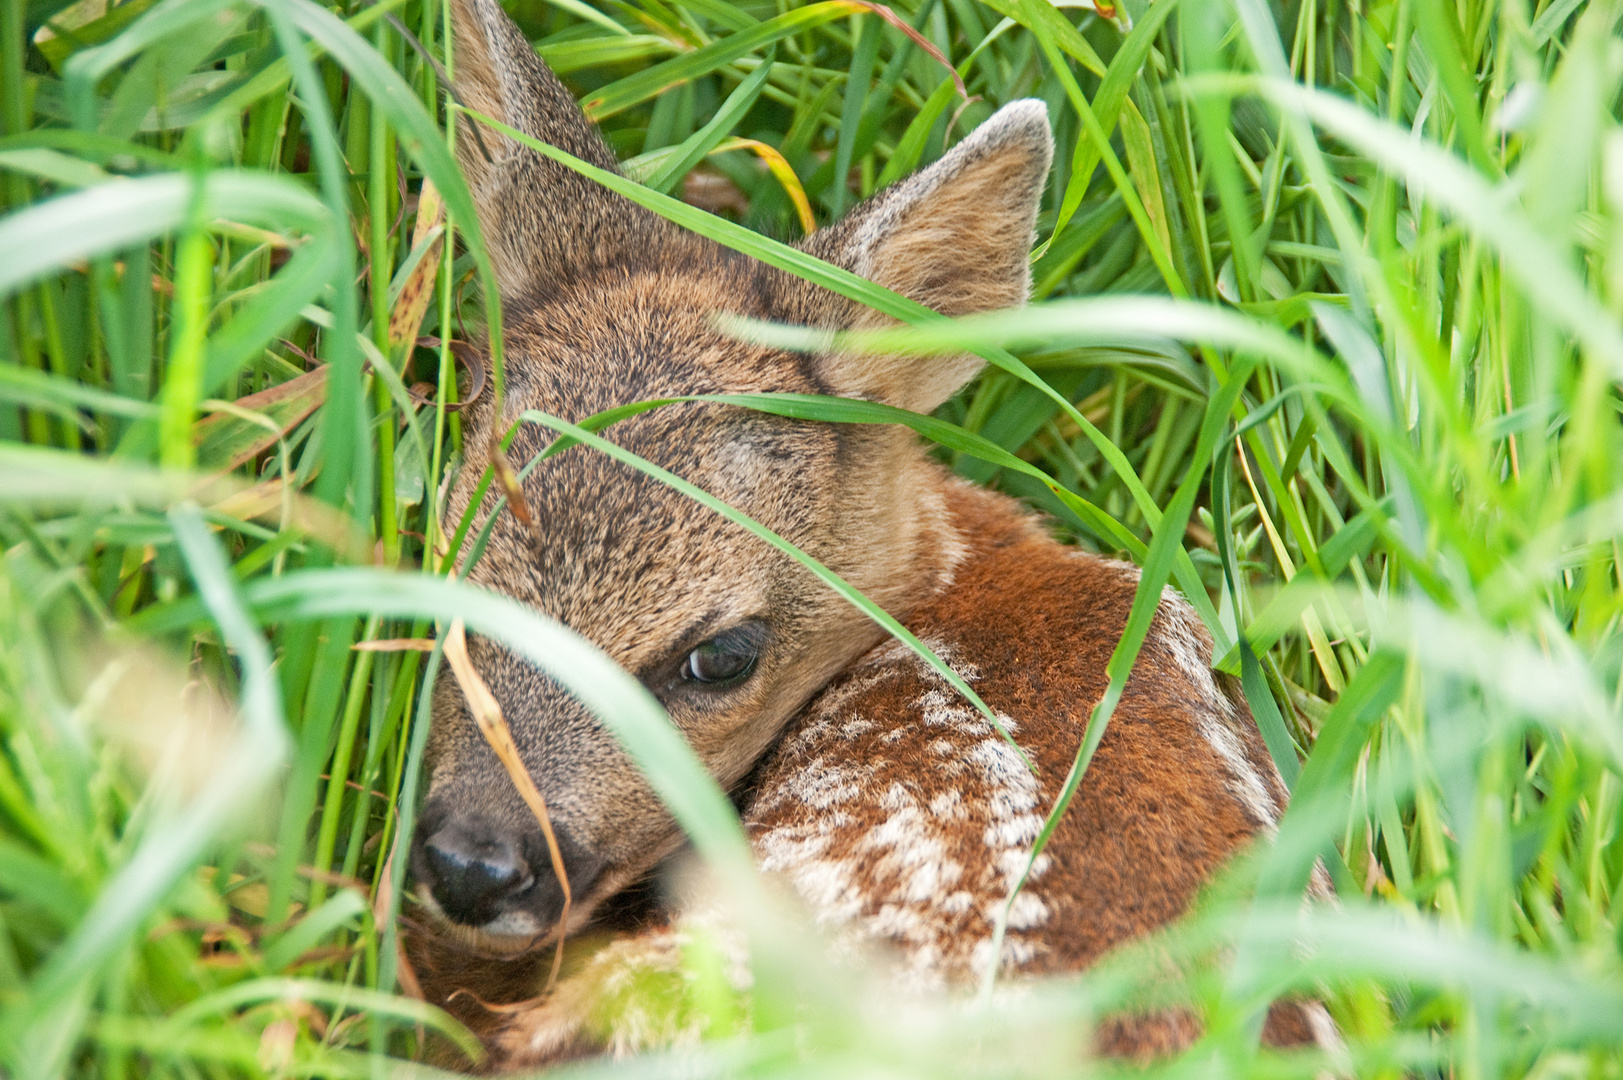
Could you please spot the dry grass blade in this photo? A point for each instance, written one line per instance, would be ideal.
(410, 985)
(418, 290)
(226, 440)
(399, 644)
(513, 490)
(487, 713)
(1384, 230)
(782, 171)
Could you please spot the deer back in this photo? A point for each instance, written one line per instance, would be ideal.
(901, 814)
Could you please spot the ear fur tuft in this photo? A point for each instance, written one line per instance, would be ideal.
(543, 222)
(956, 236)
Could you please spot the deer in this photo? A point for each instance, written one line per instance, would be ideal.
(891, 807)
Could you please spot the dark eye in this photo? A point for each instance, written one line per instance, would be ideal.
(727, 658)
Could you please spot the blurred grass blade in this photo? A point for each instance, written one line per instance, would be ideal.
(38, 389)
(53, 235)
(416, 130)
(1157, 568)
(284, 950)
(256, 991)
(1490, 213)
(170, 847)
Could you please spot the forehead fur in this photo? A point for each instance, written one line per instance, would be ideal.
(637, 330)
(622, 557)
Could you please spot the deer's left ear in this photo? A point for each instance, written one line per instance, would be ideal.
(955, 236)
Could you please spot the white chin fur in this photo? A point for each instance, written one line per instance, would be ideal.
(513, 924)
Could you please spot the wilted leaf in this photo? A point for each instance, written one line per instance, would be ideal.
(227, 439)
(418, 289)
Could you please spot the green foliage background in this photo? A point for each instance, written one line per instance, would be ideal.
(1329, 333)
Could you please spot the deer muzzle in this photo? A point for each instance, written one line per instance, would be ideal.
(494, 878)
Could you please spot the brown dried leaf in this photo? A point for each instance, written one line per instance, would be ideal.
(225, 440)
(513, 490)
(307, 515)
(418, 290)
(404, 971)
(402, 644)
(276, 1044)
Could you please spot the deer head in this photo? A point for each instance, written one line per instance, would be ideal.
(605, 303)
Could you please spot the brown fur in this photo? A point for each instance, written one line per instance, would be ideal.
(891, 805)
(1030, 624)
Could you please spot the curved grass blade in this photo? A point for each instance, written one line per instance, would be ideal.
(839, 410)
(845, 590)
(51, 236)
(1046, 22)
(37, 389)
(416, 130)
(85, 68)
(255, 991)
(701, 142)
(1489, 211)
(781, 171)
(1146, 602)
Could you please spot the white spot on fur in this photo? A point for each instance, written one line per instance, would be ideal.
(949, 805)
(1016, 952)
(896, 651)
(896, 797)
(822, 785)
(1189, 650)
(902, 876)
(950, 546)
(824, 884)
(1027, 912)
(937, 710)
(1012, 863)
(1014, 831)
(1327, 1035)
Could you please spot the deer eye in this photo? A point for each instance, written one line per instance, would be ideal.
(726, 659)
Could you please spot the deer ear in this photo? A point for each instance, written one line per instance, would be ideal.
(955, 236)
(542, 221)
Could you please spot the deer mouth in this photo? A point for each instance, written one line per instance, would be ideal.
(507, 936)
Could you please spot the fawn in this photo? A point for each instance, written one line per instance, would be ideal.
(892, 807)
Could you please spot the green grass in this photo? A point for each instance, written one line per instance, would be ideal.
(1330, 336)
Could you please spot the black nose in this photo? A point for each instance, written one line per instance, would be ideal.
(472, 867)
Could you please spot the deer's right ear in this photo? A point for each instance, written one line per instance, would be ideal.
(542, 221)
(955, 236)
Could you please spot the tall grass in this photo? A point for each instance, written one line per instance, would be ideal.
(1329, 334)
